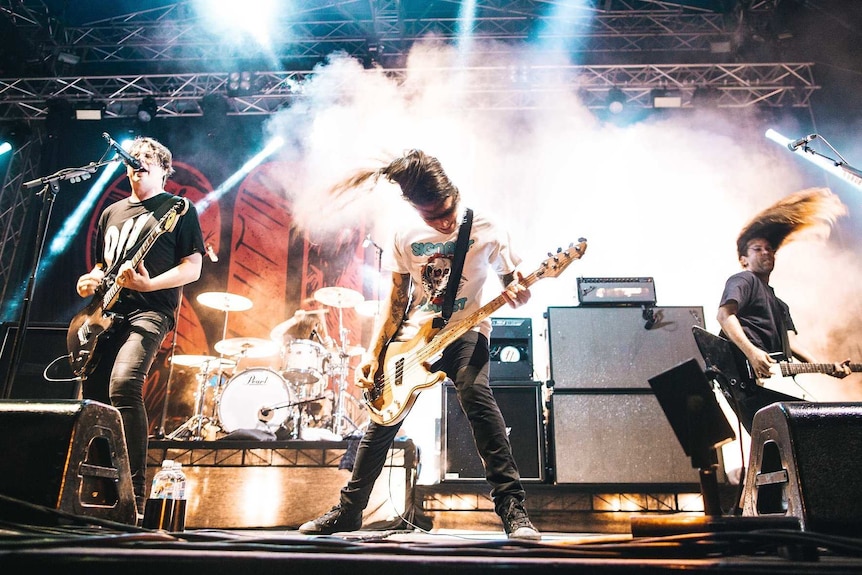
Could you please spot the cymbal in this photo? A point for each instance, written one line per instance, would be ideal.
(277, 333)
(224, 301)
(246, 347)
(338, 296)
(199, 361)
(368, 308)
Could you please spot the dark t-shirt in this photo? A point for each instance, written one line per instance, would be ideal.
(765, 319)
(124, 225)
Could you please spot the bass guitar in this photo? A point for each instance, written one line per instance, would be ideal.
(92, 322)
(403, 371)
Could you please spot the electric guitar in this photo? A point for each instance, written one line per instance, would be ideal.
(403, 371)
(95, 319)
(745, 377)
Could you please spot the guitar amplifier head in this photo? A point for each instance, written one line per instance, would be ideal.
(616, 291)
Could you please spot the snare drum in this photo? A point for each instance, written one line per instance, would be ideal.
(304, 362)
(247, 393)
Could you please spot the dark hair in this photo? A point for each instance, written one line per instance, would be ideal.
(420, 176)
(784, 220)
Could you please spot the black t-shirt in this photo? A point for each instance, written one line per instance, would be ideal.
(123, 227)
(765, 319)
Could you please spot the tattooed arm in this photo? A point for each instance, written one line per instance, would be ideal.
(391, 315)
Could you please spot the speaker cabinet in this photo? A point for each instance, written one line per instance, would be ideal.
(615, 438)
(43, 347)
(618, 347)
(521, 406)
(66, 455)
(511, 349)
(805, 463)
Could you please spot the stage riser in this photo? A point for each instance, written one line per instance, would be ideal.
(261, 486)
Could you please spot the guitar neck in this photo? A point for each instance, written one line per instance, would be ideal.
(452, 332)
(111, 295)
(790, 369)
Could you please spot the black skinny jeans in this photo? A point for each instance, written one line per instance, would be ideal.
(468, 359)
(118, 380)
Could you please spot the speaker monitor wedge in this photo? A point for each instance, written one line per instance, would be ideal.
(618, 347)
(805, 463)
(66, 455)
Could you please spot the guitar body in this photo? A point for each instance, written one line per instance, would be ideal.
(406, 375)
(83, 335)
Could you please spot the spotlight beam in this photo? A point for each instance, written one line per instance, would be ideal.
(271, 147)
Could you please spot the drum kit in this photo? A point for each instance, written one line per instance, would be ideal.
(292, 396)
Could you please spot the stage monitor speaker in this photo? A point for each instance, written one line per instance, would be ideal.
(615, 438)
(511, 349)
(618, 347)
(43, 346)
(521, 406)
(805, 463)
(66, 455)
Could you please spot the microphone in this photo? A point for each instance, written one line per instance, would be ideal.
(264, 414)
(127, 158)
(211, 254)
(367, 241)
(792, 146)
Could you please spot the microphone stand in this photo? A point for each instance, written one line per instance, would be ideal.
(50, 186)
(848, 172)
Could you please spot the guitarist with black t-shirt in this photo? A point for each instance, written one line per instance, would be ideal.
(150, 245)
(750, 314)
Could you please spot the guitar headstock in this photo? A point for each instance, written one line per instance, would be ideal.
(169, 220)
(556, 263)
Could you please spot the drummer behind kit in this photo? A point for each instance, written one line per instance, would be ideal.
(287, 396)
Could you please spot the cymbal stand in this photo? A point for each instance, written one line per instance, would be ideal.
(194, 425)
(340, 417)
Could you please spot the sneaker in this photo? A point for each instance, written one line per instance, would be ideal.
(333, 521)
(516, 522)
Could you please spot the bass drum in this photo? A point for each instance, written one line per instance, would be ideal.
(248, 395)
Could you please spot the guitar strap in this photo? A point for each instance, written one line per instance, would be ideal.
(158, 214)
(457, 267)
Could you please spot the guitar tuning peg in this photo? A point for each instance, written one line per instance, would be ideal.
(550, 255)
(559, 250)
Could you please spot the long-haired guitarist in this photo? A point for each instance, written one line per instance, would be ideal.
(149, 299)
(750, 314)
(420, 262)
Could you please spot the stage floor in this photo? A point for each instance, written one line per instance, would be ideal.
(71, 544)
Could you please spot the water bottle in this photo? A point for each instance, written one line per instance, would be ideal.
(166, 507)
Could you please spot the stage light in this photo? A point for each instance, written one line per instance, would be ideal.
(5, 147)
(147, 109)
(666, 99)
(89, 111)
(616, 101)
(238, 84)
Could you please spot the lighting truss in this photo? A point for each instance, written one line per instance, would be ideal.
(172, 35)
(490, 87)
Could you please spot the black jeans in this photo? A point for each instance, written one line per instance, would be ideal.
(126, 357)
(468, 359)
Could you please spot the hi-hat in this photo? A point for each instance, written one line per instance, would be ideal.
(209, 362)
(277, 333)
(247, 347)
(351, 351)
(224, 301)
(338, 297)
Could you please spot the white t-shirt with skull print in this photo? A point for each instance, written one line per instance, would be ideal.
(427, 256)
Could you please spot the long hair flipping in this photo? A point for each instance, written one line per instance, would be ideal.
(783, 221)
(420, 176)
